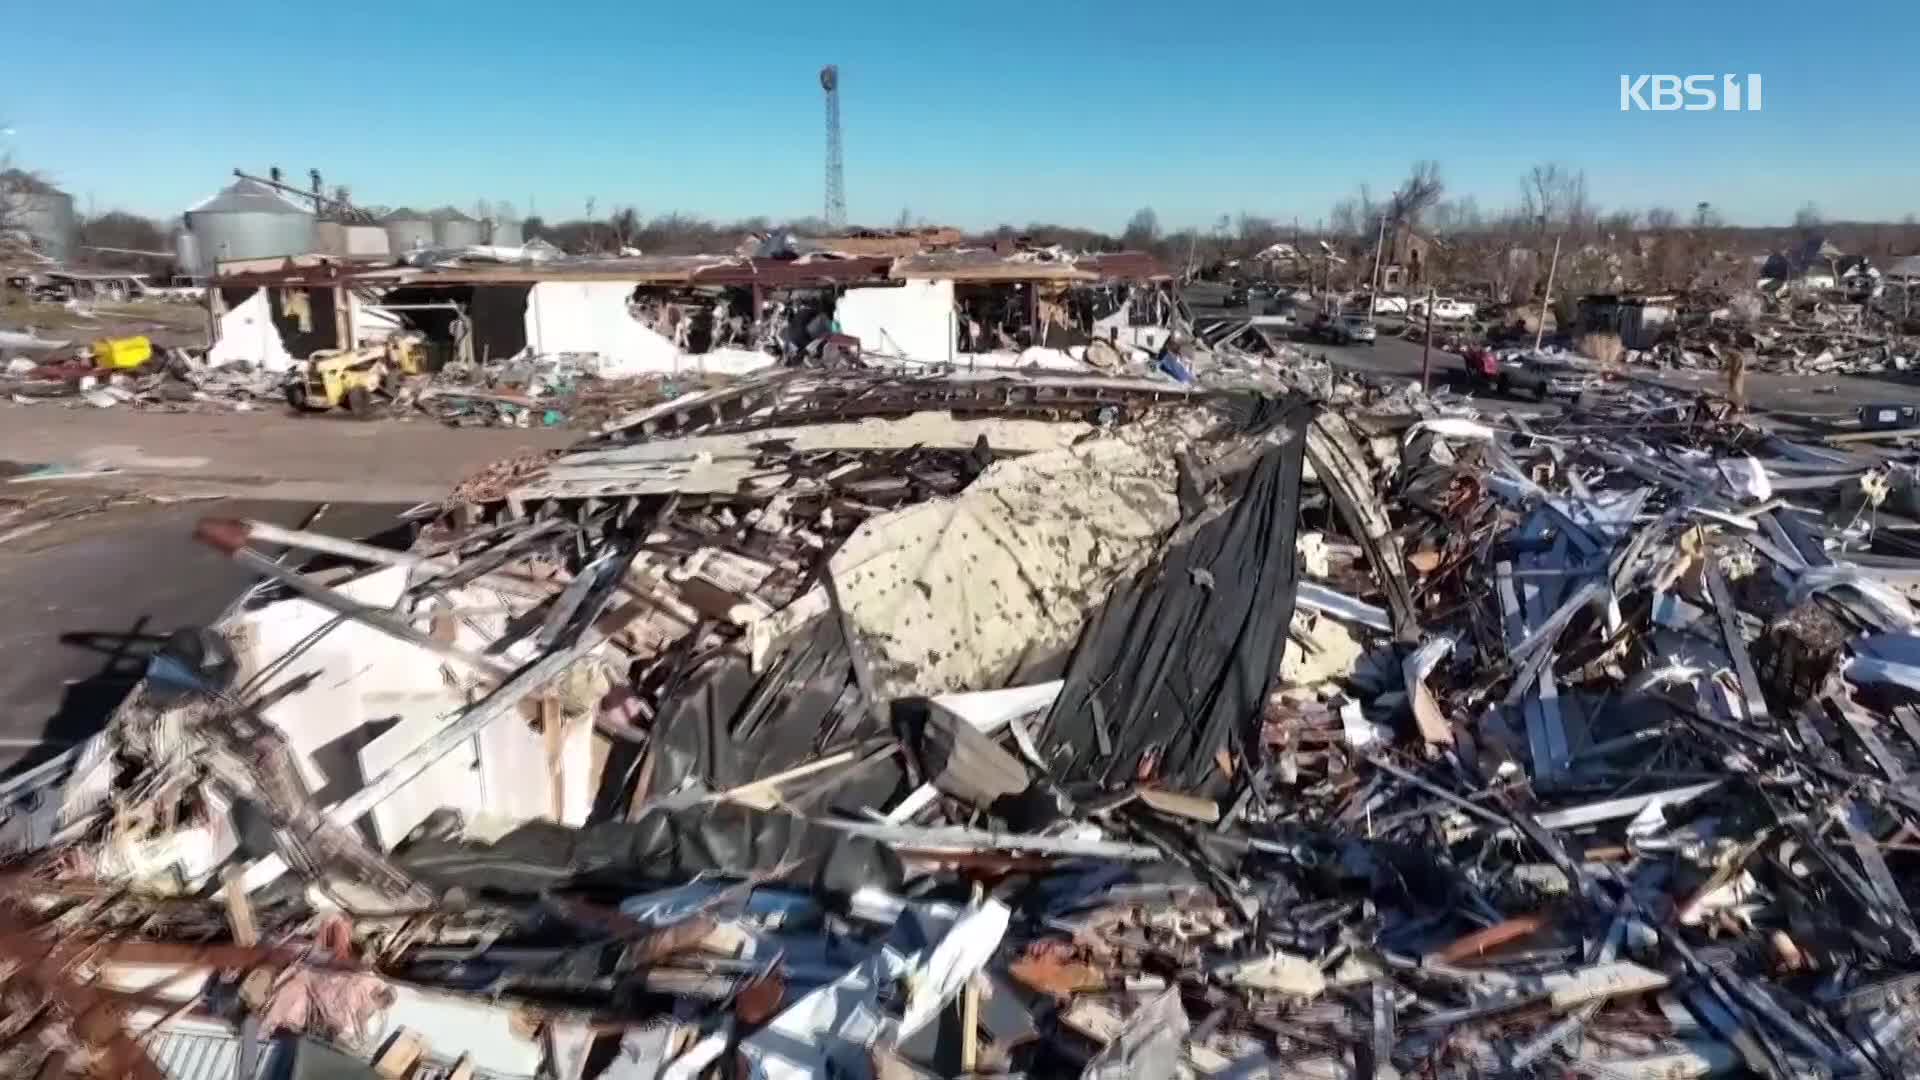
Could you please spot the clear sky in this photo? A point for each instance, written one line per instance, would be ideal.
(971, 113)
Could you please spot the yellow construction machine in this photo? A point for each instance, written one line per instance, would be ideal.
(355, 379)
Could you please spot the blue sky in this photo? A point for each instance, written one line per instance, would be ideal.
(971, 113)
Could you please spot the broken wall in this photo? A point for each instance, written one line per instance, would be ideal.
(913, 321)
(306, 319)
(593, 317)
(247, 332)
(499, 317)
(368, 699)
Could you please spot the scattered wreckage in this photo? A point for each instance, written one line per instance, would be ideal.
(878, 725)
(1787, 334)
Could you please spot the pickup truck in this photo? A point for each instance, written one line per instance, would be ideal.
(1445, 309)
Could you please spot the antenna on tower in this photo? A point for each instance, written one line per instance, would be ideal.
(836, 178)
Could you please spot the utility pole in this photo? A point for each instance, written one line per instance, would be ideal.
(1379, 242)
(1546, 297)
(1426, 348)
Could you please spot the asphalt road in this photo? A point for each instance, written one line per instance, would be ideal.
(89, 599)
(1793, 396)
(1789, 395)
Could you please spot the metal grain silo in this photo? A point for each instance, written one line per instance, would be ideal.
(43, 211)
(408, 230)
(186, 255)
(506, 233)
(453, 229)
(249, 220)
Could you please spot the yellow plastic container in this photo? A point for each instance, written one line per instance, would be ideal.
(122, 353)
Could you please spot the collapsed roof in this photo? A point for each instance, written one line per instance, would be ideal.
(864, 724)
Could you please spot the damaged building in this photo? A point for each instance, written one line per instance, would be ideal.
(887, 723)
(706, 314)
(1640, 322)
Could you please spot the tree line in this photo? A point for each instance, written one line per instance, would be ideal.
(1504, 248)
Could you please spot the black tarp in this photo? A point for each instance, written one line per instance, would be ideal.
(664, 847)
(1177, 664)
(722, 725)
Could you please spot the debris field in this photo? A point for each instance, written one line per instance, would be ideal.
(869, 724)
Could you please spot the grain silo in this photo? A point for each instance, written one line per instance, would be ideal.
(42, 211)
(186, 255)
(249, 220)
(453, 229)
(505, 233)
(408, 230)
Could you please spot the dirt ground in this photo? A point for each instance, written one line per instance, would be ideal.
(266, 454)
(166, 323)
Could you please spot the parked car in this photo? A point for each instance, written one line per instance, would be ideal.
(1390, 305)
(1351, 330)
(1542, 377)
(1445, 309)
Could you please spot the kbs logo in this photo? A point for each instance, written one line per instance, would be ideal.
(1692, 93)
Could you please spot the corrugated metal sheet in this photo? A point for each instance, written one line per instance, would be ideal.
(192, 1049)
(30, 804)
(986, 266)
(1124, 265)
(195, 1051)
(733, 270)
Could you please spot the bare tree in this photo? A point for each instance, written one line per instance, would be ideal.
(1619, 225)
(1346, 217)
(1554, 197)
(1662, 219)
(1457, 216)
(905, 220)
(624, 223)
(1704, 216)
(1807, 217)
(1416, 194)
(1255, 234)
(127, 233)
(1222, 235)
(1142, 229)
(14, 181)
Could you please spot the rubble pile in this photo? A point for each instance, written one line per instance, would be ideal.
(1785, 335)
(865, 724)
(174, 380)
(534, 392)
